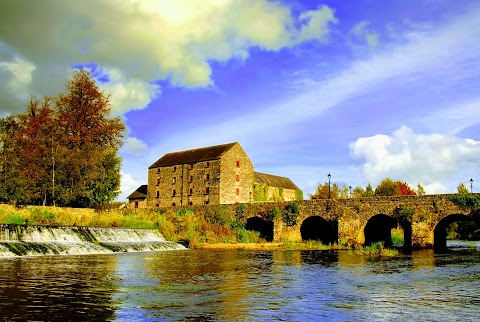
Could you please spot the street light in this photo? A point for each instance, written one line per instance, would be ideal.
(471, 185)
(350, 189)
(329, 177)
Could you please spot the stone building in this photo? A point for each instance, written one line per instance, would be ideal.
(138, 198)
(275, 188)
(221, 174)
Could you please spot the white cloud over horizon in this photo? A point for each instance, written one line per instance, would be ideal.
(430, 159)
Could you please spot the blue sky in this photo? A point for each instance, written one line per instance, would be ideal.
(362, 89)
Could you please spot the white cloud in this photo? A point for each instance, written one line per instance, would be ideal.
(126, 94)
(433, 159)
(16, 75)
(362, 33)
(150, 40)
(128, 184)
(135, 146)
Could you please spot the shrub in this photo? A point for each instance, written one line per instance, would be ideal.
(290, 214)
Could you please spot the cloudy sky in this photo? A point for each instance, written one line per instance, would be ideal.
(362, 89)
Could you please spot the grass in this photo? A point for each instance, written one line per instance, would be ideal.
(375, 249)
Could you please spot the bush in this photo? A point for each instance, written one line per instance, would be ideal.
(290, 214)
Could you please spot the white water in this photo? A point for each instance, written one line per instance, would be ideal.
(20, 240)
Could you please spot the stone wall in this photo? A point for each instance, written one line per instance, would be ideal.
(236, 176)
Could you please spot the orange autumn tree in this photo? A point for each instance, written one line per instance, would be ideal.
(388, 187)
(62, 151)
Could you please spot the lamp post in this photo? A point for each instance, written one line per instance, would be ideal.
(329, 177)
(350, 190)
(250, 197)
(471, 185)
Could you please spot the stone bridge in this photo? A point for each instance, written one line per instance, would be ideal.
(424, 219)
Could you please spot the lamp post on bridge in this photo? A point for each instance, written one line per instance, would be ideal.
(329, 177)
(471, 185)
(350, 190)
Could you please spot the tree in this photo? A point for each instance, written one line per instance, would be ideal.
(358, 192)
(344, 192)
(388, 187)
(369, 191)
(322, 192)
(420, 190)
(62, 150)
(462, 188)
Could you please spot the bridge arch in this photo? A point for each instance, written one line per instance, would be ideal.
(440, 231)
(264, 227)
(379, 229)
(317, 228)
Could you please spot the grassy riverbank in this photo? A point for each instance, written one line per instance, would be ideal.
(217, 230)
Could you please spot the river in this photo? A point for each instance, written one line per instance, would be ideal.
(241, 285)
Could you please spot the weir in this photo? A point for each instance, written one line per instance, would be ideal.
(23, 240)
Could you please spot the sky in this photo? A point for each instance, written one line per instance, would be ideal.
(360, 89)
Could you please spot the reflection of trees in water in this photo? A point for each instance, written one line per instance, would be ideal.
(67, 288)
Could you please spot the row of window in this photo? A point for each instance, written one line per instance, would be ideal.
(190, 179)
(190, 192)
(190, 166)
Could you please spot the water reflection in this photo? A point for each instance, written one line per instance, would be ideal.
(205, 285)
(57, 288)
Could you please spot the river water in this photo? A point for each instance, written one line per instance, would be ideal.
(241, 285)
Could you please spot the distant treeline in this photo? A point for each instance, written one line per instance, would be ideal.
(62, 150)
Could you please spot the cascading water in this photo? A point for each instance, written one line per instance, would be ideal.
(21, 240)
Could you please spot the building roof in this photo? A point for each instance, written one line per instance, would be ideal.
(140, 193)
(275, 181)
(194, 155)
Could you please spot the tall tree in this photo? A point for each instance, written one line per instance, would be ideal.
(62, 151)
(388, 187)
(88, 136)
(420, 190)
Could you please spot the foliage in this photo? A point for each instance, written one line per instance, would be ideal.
(322, 191)
(462, 189)
(388, 187)
(375, 249)
(62, 151)
(298, 194)
(466, 201)
(344, 192)
(420, 190)
(240, 213)
(273, 214)
(403, 214)
(397, 236)
(290, 214)
(259, 193)
(369, 191)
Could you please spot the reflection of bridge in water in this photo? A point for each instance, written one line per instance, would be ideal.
(424, 220)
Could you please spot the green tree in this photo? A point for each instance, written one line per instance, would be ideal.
(322, 192)
(462, 188)
(358, 192)
(420, 190)
(387, 187)
(369, 191)
(344, 192)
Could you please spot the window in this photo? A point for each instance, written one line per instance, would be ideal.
(157, 205)
(190, 191)
(136, 204)
(174, 168)
(190, 166)
(237, 191)
(158, 170)
(158, 194)
(190, 179)
(173, 204)
(207, 190)
(206, 202)
(237, 178)
(207, 177)
(158, 182)
(207, 165)
(174, 179)
(174, 193)
(190, 203)
(238, 163)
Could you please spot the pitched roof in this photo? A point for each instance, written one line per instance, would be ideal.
(274, 181)
(194, 155)
(140, 193)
